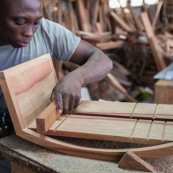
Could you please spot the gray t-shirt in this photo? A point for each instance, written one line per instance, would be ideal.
(50, 38)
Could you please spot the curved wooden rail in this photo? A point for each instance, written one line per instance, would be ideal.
(95, 153)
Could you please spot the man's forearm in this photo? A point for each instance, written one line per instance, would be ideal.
(95, 69)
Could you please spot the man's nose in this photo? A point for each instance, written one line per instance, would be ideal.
(28, 32)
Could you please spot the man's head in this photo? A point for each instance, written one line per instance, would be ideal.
(19, 20)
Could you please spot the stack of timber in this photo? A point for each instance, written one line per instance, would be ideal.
(136, 38)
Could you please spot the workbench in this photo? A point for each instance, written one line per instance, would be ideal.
(27, 157)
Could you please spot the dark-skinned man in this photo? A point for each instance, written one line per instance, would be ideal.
(25, 34)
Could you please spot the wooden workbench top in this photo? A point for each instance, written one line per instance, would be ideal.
(39, 159)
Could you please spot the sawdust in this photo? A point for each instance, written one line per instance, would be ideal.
(57, 162)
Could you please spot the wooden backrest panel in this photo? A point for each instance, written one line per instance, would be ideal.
(29, 86)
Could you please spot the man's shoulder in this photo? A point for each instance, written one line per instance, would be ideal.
(48, 24)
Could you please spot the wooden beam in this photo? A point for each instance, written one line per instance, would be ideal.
(159, 6)
(156, 50)
(121, 22)
(46, 119)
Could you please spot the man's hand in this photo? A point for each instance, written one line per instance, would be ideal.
(67, 93)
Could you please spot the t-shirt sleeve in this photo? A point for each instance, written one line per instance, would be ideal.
(59, 41)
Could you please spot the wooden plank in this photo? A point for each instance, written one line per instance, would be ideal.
(135, 19)
(156, 130)
(144, 110)
(121, 22)
(164, 111)
(157, 54)
(46, 118)
(82, 15)
(105, 108)
(94, 15)
(131, 161)
(109, 45)
(141, 129)
(159, 6)
(104, 128)
(94, 127)
(114, 82)
(168, 131)
(147, 25)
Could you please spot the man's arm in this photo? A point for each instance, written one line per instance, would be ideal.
(94, 65)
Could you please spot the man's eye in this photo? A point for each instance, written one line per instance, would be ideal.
(20, 21)
(37, 22)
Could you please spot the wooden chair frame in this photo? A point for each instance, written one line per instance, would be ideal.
(24, 88)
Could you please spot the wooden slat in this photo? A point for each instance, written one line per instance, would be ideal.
(168, 131)
(105, 108)
(141, 129)
(106, 128)
(58, 122)
(156, 130)
(101, 128)
(157, 54)
(164, 111)
(144, 110)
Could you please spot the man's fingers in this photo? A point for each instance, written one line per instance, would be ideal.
(77, 101)
(65, 104)
(59, 102)
(72, 103)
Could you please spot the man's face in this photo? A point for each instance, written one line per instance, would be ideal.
(19, 21)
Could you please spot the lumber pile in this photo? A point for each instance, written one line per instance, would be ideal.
(137, 39)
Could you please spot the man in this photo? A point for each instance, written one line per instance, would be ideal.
(25, 35)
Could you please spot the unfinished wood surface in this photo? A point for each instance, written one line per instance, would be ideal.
(109, 45)
(107, 126)
(131, 161)
(144, 110)
(156, 50)
(147, 25)
(163, 92)
(159, 6)
(83, 16)
(46, 118)
(96, 128)
(121, 22)
(164, 111)
(168, 130)
(27, 89)
(157, 53)
(114, 82)
(109, 129)
(105, 108)
(29, 86)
